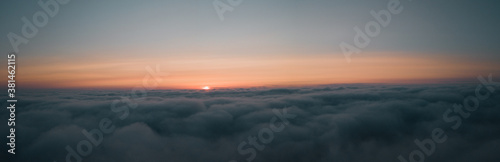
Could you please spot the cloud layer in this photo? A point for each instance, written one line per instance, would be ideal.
(342, 123)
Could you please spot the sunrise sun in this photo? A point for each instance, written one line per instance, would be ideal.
(206, 88)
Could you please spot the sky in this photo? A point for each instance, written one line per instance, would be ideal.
(108, 44)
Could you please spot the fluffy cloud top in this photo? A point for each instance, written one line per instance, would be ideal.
(342, 123)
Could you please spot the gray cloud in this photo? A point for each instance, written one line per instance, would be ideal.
(333, 123)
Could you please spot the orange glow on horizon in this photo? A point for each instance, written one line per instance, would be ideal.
(242, 72)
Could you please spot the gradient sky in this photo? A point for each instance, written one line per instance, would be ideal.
(108, 44)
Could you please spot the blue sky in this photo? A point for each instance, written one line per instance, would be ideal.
(167, 30)
(438, 26)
